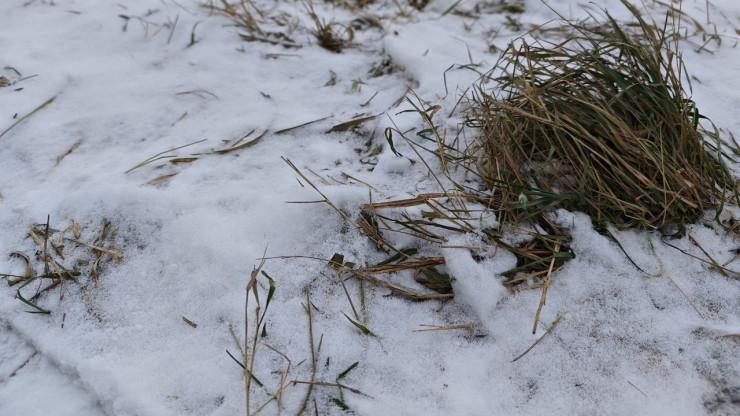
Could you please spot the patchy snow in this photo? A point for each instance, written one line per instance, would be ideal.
(625, 342)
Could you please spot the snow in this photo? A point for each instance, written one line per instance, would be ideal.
(625, 342)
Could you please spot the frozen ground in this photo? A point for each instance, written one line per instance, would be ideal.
(625, 343)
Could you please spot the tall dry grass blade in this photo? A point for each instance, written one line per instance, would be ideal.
(313, 354)
(557, 321)
(47, 102)
(249, 367)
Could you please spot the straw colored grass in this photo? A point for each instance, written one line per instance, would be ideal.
(600, 123)
(62, 257)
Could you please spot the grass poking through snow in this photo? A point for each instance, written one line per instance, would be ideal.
(61, 256)
(601, 123)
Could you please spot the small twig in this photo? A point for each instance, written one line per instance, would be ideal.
(539, 339)
(23, 365)
(643, 393)
(686, 296)
(68, 151)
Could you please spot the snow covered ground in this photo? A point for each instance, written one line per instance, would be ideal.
(132, 79)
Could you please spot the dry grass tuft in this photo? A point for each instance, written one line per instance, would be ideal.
(252, 21)
(599, 123)
(244, 13)
(331, 36)
(62, 257)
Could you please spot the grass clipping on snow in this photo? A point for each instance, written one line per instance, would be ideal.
(599, 123)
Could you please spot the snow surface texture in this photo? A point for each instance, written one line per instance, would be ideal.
(626, 343)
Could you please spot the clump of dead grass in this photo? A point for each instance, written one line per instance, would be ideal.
(254, 23)
(601, 123)
(332, 36)
(63, 256)
(244, 13)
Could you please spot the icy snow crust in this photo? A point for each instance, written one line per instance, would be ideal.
(627, 343)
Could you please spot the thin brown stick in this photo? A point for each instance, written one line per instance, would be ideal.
(189, 322)
(643, 393)
(68, 151)
(686, 296)
(538, 339)
(23, 365)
